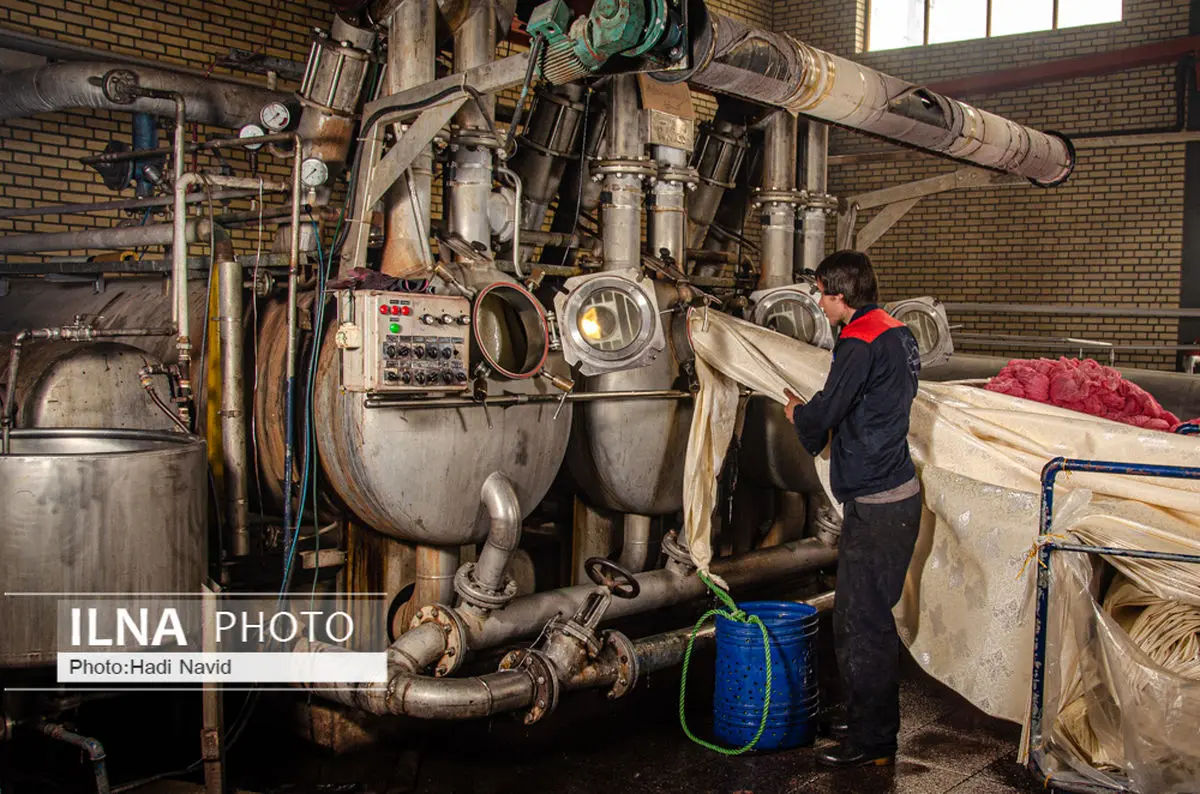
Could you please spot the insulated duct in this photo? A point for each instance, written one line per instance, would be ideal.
(119, 238)
(732, 58)
(63, 86)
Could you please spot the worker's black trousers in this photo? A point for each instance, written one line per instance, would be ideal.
(875, 548)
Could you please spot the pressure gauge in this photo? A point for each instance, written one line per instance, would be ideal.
(275, 116)
(313, 172)
(251, 131)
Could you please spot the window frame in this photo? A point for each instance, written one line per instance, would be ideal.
(987, 27)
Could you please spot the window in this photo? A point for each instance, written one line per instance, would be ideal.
(892, 24)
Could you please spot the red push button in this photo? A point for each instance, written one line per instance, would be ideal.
(383, 309)
(406, 310)
(395, 309)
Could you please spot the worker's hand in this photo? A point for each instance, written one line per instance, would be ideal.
(793, 402)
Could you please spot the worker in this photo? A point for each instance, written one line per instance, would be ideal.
(865, 405)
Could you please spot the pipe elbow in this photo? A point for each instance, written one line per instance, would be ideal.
(504, 509)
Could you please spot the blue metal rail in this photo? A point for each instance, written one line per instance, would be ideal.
(1037, 744)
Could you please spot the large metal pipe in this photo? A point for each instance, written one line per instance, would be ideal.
(720, 152)
(233, 405)
(667, 224)
(635, 546)
(660, 588)
(196, 230)
(549, 139)
(624, 168)
(816, 173)
(471, 184)
(504, 537)
(435, 575)
(412, 47)
(774, 69)
(64, 86)
(777, 199)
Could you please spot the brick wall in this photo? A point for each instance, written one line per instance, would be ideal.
(1112, 235)
(39, 155)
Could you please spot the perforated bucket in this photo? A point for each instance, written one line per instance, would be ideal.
(741, 676)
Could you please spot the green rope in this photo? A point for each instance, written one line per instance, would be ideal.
(732, 613)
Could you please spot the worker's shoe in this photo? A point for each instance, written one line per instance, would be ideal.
(836, 730)
(844, 755)
(833, 723)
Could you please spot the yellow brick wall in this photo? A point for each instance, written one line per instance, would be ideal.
(1112, 235)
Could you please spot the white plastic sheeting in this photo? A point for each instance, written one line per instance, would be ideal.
(967, 609)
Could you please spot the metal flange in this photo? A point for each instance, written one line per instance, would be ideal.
(456, 636)
(819, 201)
(761, 197)
(475, 594)
(541, 673)
(676, 551)
(482, 139)
(626, 659)
(633, 166)
(685, 175)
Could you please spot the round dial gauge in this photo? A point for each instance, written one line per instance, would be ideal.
(313, 172)
(251, 131)
(275, 116)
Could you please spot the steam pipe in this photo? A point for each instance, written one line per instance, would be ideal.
(816, 173)
(660, 588)
(64, 86)
(126, 237)
(92, 747)
(518, 185)
(233, 407)
(550, 137)
(412, 44)
(179, 308)
(774, 69)
(668, 217)
(778, 199)
(635, 547)
(289, 443)
(623, 170)
(435, 575)
(504, 510)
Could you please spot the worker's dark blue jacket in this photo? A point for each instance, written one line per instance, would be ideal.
(865, 402)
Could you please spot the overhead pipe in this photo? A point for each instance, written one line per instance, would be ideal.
(777, 199)
(65, 86)
(732, 58)
(408, 204)
(196, 230)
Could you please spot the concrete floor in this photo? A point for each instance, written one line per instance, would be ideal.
(946, 745)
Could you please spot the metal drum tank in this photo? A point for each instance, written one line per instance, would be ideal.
(628, 454)
(95, 511)
(415, 473)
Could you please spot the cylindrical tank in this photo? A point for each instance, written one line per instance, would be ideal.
(94, 384)
(101, 511)
(415, 474)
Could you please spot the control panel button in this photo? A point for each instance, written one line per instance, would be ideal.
(420, 377)
(460, 376)
(389, 351)
(403, 351)
(395, 308)
(419, 351)
(391, 376)
(428, 319)
(447, 352)
(394, 328)
(383, 309)
(464, 319)
(406, 377)
(447, 320)
(447, 378)
(431, 351)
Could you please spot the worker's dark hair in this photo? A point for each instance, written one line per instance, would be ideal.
(850, 274)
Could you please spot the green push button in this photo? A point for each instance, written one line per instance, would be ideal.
(394, 328)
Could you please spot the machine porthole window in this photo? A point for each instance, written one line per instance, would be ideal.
(924, 328)
(609, 320)
(792, 311)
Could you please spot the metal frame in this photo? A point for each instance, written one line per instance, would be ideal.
(1036, 747)
(987, 23)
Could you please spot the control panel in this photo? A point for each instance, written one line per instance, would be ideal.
(403, 341)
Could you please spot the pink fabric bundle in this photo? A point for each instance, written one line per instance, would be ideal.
(1085, 386)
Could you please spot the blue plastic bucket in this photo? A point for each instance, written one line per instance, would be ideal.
(741, 676)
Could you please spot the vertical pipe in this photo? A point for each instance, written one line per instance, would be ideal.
(720, 152)
(91, 746)
(621, 207)
(592, 537)
(290, 417)
(212, 744)
(777, 199)
(471, 185)
(412, 47)
(179, 314)
(816, 171)
(668, 217)
(233, 409)
(436, 566)
(504, 536)
(635, 548)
